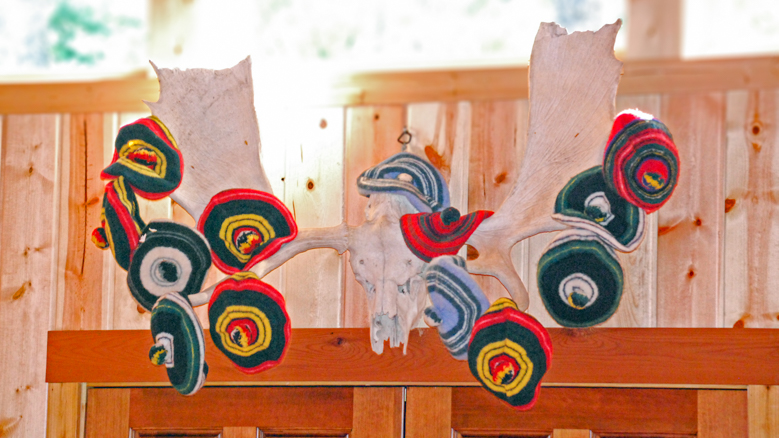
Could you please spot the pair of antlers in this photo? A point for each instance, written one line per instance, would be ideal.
(572, 84)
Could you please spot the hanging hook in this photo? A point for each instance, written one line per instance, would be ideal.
(404, 139)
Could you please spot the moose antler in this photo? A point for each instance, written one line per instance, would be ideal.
(573, 84)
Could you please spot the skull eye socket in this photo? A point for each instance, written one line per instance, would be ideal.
(368, 287)
(403, 288)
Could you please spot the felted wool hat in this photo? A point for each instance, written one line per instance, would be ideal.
(588, 202)
(641, 162)
(178, 343)
(244, 227)
(579, 279)
(457, 302)
(147, 155)
(170, 258)
(249, 322)
(509, 353)
(408, 175)
(120, 222)
(430, 235)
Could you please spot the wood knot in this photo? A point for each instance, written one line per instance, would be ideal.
(691, 273)
(739, 324)
(323, 123)
(376, 116)
(729, 204)
(21, 291)
(471, 252)
(756, 128)
(140, 310)
(499, 178)
(337, 342)
(698, 222)
(310, 185)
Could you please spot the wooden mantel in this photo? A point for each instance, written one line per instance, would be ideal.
(610, 356)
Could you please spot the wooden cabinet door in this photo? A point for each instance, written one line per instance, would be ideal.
(245, 412)
(436, 412)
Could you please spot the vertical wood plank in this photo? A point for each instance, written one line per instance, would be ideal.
(81, 194)
(378, 412)
(428, 412)
(65, 409)
(110, 124)
(722, 414)
(239, 432)
(691, 224)
(498, 138)
(371, 137)
(752, 212)
(572, 433)
(108, 413)
(313, 281)
(763, 411)
(655, 30)
(27, 257)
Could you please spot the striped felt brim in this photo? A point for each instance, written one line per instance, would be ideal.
(408, 175)
(249, 322)
(170, 258)
(588, 202)
(121, 223)
(509, 353)
(579, 279)
(148, 157)
(430, 235)
(244, 227)
(457, 302)
(178, 343)
(641, 162)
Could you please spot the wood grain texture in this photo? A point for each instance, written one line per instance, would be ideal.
(108, 412)
(378, 413)
(752, 215)
(428, 412)
(239, 432)
(763, 411)
(65, 408)
(639, 294)
(655, 30)
(28, 257)
(605, 411)
(331, 356)
(82, 192)
(498, 139)
(314, 192)
(722, 414)
(290, 409)
(571, 433)
(691, 225)
(371, 137)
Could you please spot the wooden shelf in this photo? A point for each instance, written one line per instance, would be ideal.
(614, 356)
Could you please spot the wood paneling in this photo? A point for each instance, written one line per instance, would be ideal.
(108, 412)
(763, 411)
(371, 137)
(289, 409)
(314, 192)
(605, 411)
(594, 356)
(239, 432)
(722, 414)
(751, 218)
(28, 263)
(378, 413)
(691, 225)
(66, 406)
(428, 412)
(655, 30)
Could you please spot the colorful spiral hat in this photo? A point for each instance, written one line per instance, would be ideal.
(249, 322)
(509, 353)
(641, 162)
(579, 279)
(178, 343)
(170, 258)
(588, 202)
(148, 157)
(120, 222)
(408, 175)
(430, 235)
(244, 227)
(457, 302)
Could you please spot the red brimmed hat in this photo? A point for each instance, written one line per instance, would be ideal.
(429, 235)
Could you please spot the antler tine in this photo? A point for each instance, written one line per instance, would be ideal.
(573, 84)
(333, 237)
